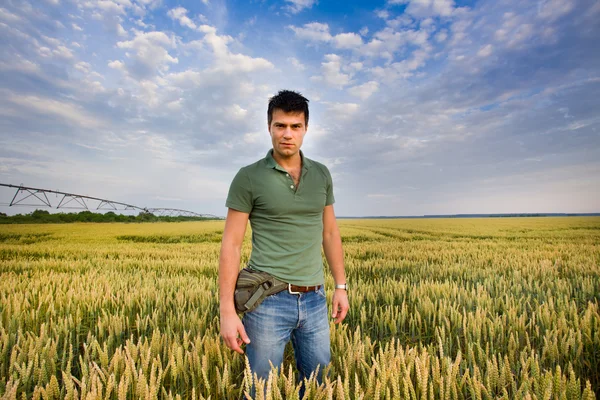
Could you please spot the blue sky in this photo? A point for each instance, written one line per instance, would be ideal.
(417, 106)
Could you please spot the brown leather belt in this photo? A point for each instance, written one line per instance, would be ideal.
(302, 289)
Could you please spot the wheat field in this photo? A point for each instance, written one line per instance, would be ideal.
(440, 309)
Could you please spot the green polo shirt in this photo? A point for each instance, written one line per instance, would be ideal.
(286, 221)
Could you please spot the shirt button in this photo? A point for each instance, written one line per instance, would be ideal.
(288, 175)
(291, 186)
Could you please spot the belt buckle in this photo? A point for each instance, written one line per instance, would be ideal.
(290, 289)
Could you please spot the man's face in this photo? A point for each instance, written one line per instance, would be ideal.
(287, 132)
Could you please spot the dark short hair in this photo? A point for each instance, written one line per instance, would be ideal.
(288, 101)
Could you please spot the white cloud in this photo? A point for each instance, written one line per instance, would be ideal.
(389, 41)
(121, 31)
(427, 8)
(375, 48)
(186, 79)
(83, 66)
(332, 74)
(152, 4)
(63, 52)
(236, 111)
(253, 137)
(297, 64)
(76, 27)
(179, 14)
(44, 51)
(19, 64)
(347, 41)
(116, 64)
(313, 31)
(343, 110)
(148, 93)
(56, 49)
(106, 7)
(383, 14)
(51, 40)
(364, 30)
(113, 12)
(296, 6)
(521, 35)
(150, 52)
(393, 39)
(141, 23)
(427, 24)
(6, 15)
(242, 63)
(441, 36)
(175, 105)
(402, 69)
(443, 7)
(91, 86)
(318, 32)
(227, 61)
(365, 90)
(554, 9)
(514, 31)
(485, 51)
(68, 112)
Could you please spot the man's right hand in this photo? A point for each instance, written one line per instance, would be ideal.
(233, 332)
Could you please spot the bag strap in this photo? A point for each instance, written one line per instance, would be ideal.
(259, 292)
(264, 290)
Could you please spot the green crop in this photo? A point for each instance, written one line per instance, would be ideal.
(498, 308)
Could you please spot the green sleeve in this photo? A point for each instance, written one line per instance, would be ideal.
(330, 199)
(240, 193)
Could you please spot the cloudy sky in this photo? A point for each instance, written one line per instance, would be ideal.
(417, 106)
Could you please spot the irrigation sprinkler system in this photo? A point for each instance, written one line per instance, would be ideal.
(24, 195)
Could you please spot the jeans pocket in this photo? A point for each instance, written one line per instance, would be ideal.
(321, 291)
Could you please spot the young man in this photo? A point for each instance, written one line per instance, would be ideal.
(288, 199)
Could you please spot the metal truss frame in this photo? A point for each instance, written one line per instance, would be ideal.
(78, 202)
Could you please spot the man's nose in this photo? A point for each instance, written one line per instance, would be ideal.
(287, 133)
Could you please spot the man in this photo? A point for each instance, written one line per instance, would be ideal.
(288, 199)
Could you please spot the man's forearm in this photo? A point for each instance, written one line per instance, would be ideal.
(229, 262)
(332, 247)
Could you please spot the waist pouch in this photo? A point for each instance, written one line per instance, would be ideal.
(252, 287)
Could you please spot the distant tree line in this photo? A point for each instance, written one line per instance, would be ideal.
(44, 217)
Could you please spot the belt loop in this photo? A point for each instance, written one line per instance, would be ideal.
(290, 289)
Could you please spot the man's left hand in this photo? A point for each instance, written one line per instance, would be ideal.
(340, 305)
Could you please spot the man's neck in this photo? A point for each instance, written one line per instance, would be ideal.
(287, 163)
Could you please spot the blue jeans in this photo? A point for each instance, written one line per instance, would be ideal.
(284, 316)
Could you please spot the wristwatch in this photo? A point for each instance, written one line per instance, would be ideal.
(343, 286)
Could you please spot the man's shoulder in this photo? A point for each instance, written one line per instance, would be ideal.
(255, 166)
(322, 168)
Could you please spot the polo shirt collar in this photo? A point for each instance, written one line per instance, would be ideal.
(271, 163)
